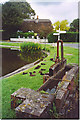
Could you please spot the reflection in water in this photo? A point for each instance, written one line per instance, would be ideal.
(14, 59)
(30, 57)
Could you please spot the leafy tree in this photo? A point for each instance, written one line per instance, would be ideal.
(56, 25)
(63, 25)
(13, 14)
(74, 26)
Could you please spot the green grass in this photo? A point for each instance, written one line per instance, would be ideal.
(13, 83)
(18, 44)
(10, 43)
(71, 58)
(71, 42)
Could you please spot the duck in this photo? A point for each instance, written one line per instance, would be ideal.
(24, 73)
(31, 74)
(37, 67)
(42, 63)
(41, 73)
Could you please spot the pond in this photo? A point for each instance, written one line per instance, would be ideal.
(14, 59)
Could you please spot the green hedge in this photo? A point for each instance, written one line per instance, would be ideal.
(52, 38)
(26, 34)
(70, 37)
(66, 37)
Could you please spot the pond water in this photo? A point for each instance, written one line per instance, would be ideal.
(14, 59)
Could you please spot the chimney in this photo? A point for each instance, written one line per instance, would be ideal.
(37, 17)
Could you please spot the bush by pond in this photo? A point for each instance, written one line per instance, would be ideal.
(30, 47)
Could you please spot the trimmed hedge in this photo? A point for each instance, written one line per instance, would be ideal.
(27, 34)
(70, 37)
(66, 37)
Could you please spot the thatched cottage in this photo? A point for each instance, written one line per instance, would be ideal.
(41, 26)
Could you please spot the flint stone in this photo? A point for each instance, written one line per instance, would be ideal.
(70, 75)
(65, 86)
(60, 97)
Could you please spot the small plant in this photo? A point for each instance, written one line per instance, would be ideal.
(60, 84)
(54, 108)
(19, 101)
(43, 92)
(45, 49)
(76, 81)
(53, 112)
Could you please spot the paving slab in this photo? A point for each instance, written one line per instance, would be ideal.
(36, 105)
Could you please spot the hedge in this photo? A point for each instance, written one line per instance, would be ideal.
(26, 34)
(66, 37)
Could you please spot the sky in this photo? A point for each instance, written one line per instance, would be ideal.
(54, 9)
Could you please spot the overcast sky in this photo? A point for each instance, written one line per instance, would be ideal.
(54, 10)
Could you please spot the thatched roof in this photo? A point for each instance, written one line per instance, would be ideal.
(39, 20)
(41, 26)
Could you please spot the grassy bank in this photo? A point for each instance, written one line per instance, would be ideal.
(13, 83)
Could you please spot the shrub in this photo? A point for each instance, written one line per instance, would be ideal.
(21, 34)
(26, 34)
(52, 38)
(66, 37)
(46, 49)
(30, 47)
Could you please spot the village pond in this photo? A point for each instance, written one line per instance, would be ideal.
(14, 59)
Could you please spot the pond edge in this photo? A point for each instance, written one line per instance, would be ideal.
(24, 67)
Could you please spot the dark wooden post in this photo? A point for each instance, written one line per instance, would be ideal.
(57, 58)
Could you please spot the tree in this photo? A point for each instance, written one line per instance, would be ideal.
(13, 14)
(63, 25)
(74, 26)
(56, 25)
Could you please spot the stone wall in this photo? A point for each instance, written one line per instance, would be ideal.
(66, 93)
(39, 104)
(29, 40)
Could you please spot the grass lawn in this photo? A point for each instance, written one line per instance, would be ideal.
(17, 44)
(13, 83)
(71, 42)
(10, 43)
